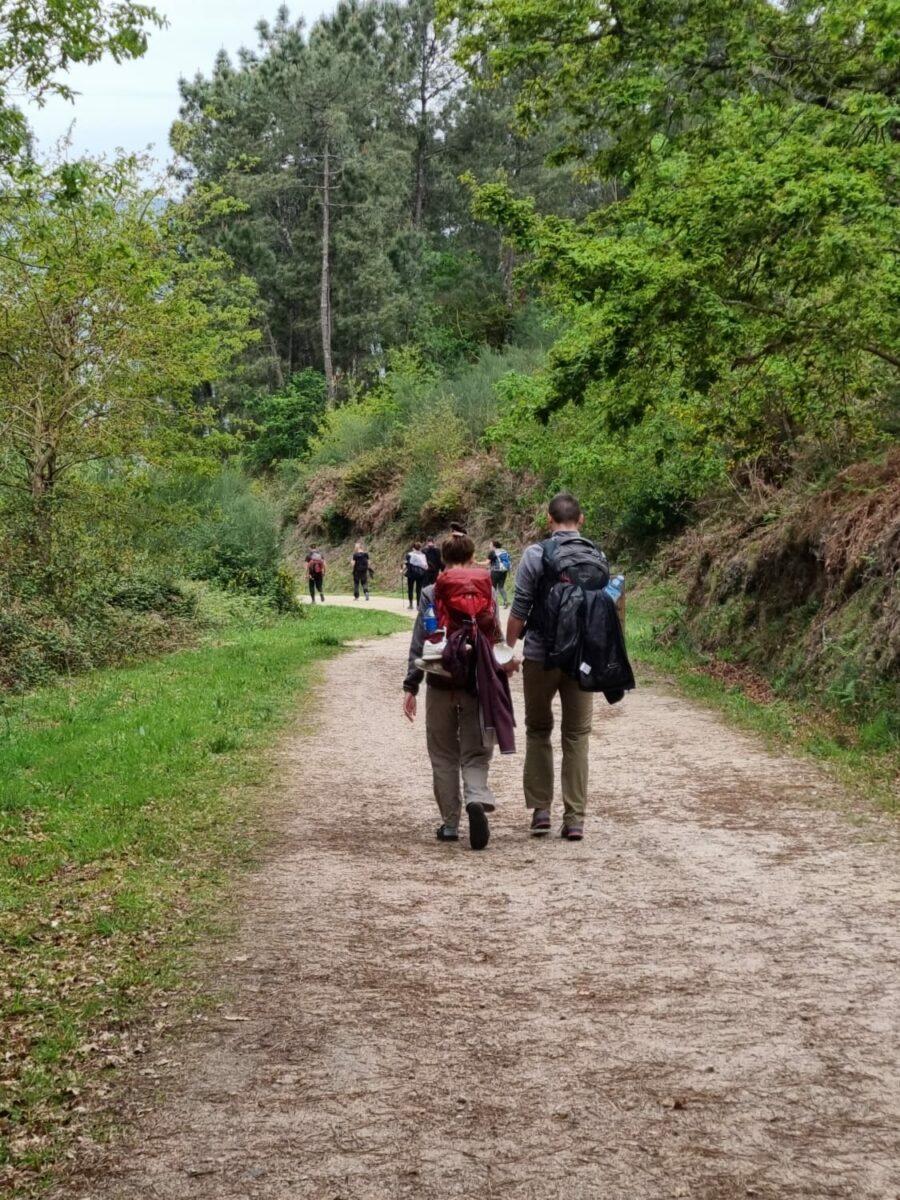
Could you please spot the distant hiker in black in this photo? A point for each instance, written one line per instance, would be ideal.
(435, 563)
(315, 571)
(361, 571)
(415, 568)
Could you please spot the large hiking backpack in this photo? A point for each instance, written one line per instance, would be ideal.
(578, 620)
(316, 564)
(463, 596)
(464, 605)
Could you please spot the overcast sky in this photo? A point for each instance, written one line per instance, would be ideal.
(132, 106)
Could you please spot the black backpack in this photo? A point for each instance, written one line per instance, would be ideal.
(579, 623)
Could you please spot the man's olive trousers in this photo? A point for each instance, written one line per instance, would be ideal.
(541, 687)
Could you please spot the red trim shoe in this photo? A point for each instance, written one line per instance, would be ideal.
(572, 833)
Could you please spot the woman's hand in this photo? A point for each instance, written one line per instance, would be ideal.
(409, 706)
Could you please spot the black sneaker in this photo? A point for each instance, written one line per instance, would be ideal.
(479, 830)
(447, 835)
(572, 833)
(540, 822)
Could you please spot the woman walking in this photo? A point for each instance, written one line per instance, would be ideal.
(415, 568)
(361, 570)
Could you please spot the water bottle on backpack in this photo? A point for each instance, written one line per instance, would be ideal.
(430, 621)
(615, 588)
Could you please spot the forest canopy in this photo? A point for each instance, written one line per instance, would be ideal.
(423, 264)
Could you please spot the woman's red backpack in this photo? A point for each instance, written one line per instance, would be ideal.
(464, 596)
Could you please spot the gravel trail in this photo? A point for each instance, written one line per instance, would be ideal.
(700, 1000)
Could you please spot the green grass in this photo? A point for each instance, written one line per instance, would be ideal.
(865, 755)
(126, 796)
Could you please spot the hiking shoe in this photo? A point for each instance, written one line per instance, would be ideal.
(540, 821)
(572, 833)
(446, 833)
(479, 830)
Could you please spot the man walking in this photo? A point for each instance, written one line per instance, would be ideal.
(533, 583)
(433, 555)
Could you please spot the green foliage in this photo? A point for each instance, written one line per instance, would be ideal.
(234, 540)
(401, 450)
(113, 319)
(284, 590)
(39, 42)
(133, 618)
(284, 423)
(737, 302)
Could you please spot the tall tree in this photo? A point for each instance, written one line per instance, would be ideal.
(429, 76)
(112, 320)
(307, 132)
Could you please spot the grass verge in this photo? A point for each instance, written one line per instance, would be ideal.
(861, 754)
(125, 797)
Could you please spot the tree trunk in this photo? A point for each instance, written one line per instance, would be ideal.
(42, 477)
(422, 132)
(507, 268)
(325, 297)
(276, 357)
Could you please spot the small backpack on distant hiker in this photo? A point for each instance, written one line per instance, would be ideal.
(503, 560)
(578, 621)
(315, 564)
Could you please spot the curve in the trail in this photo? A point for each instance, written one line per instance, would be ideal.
(700, 1000)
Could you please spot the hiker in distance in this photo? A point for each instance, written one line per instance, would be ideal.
(433, 555)
(415, 568)
(315, 574)
(361, 570)
(467, 700)
(499, 564)
(573, 647)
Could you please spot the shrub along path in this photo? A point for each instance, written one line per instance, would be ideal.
(700, 1000)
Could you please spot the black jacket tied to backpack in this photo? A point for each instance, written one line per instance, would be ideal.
(578, 621)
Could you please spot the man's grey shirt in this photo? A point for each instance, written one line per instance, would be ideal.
(528, 578)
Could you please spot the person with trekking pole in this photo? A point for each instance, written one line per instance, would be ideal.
(415, 568)
(456, 646)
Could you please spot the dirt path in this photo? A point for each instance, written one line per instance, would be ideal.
(700, 1000)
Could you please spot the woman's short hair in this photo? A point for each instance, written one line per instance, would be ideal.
(457, 550)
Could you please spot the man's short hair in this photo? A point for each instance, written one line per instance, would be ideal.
(564, 509)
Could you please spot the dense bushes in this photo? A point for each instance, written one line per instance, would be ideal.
(412, 451)
(110, 586)
(802, 586)
(138, 617)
